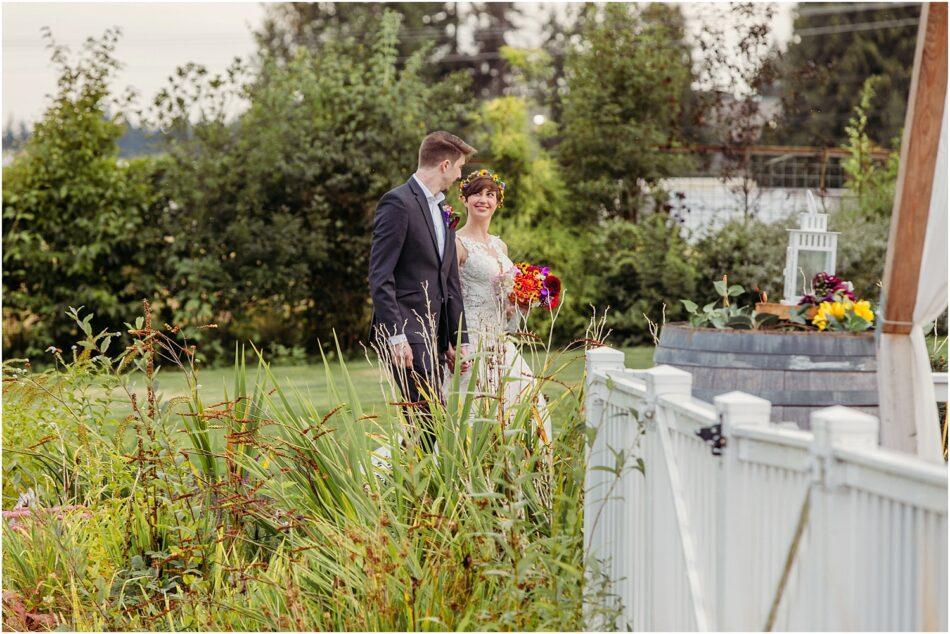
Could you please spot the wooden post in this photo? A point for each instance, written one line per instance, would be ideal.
(928, 91)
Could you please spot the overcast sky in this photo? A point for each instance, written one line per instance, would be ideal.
(157, 38)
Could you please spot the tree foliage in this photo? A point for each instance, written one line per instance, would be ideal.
(433, 27)
(837, 46)
(274, 212)
(257, 217)
(865, 219)
(80, 226)
(624, 80)
(642, 267)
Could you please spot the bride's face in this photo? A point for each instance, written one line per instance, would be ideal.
(482, 204)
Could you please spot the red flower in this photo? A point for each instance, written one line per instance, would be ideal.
(553, 285)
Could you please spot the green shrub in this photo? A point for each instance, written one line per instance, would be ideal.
(750, 252)
(639, 269)
(80, 226)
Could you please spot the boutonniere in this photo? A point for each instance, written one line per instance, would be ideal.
(451, 218)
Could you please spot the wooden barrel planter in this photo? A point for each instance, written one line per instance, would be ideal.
(799, 372)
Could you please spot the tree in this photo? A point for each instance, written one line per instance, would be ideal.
(492, 21)
(290, 26)
(14, 139)
(274, 211)
(864, 219)
(835, 48)
(80, 227)
(625, 80)
(738, 71)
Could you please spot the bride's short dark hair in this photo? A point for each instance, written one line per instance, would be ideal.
(440, 146)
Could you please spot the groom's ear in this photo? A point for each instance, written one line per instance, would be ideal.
(445, 166)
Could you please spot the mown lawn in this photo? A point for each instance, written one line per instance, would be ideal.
(309, 381)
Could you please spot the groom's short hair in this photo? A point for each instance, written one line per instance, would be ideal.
(442, 145)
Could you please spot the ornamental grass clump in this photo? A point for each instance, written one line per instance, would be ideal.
(263, 512)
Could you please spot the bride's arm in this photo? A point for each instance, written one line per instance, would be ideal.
(461, 251)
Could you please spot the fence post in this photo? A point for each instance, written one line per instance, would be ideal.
(834, 551)
(597, 360)
(658, 573)
(733, 610)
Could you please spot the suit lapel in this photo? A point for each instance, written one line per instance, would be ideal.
(449, 252)
(424, 208)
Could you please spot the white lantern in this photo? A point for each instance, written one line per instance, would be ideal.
(811, 249)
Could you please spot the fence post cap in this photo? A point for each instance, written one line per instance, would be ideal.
(604, 358)
(665, 379)
(839, 425)
(740, 408)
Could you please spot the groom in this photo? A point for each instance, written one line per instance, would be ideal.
(414, 277)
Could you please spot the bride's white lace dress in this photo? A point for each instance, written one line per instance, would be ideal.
(488, 329)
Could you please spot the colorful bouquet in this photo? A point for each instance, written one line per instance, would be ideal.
(836, 308)
(535, 286)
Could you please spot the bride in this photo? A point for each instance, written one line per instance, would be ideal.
(489, 315)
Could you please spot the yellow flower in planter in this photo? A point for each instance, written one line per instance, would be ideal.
(839, 309)
(821, 317)
(863, 310)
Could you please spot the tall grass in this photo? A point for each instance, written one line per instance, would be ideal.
(262, 512)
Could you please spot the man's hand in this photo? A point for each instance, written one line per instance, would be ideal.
(451, 357)
(466, 357)
(402, 355)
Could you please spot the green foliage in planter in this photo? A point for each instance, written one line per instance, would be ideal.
(730, 315)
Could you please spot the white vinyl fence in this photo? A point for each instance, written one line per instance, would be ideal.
(757, 526)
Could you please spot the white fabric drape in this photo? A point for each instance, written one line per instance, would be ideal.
(908, 402)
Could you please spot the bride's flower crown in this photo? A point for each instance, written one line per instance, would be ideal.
(482, 173)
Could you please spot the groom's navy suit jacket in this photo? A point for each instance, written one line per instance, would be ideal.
(404, 265)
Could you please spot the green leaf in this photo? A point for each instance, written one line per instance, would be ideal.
(689, 305)
(720, 287)
(735, 290)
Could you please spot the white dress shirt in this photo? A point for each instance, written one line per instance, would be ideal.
(438, 222)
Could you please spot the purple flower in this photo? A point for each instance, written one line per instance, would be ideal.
(450, 217)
